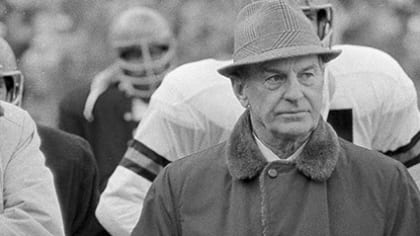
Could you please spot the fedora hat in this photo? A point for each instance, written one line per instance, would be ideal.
(273, 29)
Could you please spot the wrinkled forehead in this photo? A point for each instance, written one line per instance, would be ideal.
(292, 64)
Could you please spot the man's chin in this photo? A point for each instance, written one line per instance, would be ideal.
(293, 130)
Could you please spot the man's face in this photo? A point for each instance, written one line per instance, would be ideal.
(143, 57)
(284, 96)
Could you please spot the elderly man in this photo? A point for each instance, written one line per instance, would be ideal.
(283, 170)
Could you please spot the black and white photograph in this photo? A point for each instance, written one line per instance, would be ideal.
(209, 118)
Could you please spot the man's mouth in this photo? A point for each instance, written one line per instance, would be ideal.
(292, 114)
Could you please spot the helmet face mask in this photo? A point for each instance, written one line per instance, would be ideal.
(11, 87)
(320, 13)
(145, 46)
(11, 79)
(144, 66)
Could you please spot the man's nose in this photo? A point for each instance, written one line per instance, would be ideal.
(293, 91)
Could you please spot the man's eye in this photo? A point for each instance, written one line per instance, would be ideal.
(274, 81)
(307, 77)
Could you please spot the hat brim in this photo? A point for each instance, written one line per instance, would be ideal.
(281, 53)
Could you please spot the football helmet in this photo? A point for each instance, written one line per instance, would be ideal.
(320, 12)
(11, 78)
(145, 45)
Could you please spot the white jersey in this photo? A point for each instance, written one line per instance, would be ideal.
(196, 108)
(381, 96)
(185, 114)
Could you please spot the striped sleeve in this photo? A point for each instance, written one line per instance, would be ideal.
(408, 154)
(143, 161)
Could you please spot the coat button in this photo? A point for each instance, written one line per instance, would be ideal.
(272, 173)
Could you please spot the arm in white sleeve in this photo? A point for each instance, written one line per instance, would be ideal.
(120, 204)
(398, 131)
(126, 190)
(157, 142)
(167, 132)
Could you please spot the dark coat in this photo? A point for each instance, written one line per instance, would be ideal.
(333, 188)
(75, 173)
(108, 133)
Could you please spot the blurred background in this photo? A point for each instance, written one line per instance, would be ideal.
(62, 44)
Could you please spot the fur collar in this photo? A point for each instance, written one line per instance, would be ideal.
(317, 160)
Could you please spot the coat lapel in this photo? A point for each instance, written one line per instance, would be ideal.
(317, 160)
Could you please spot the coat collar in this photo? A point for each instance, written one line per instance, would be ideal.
(317, 160)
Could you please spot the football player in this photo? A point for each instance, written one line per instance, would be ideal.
(107, 113)
(372, 103)
(29, 204)
(68, 156)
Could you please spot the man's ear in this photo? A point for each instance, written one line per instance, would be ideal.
(331, 84)
(239, 87)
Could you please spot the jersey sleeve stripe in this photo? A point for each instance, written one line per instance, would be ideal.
(149, 153)
(412, 162)
(143, 161)
(408, 154)
(413, 142)
(127, 163)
